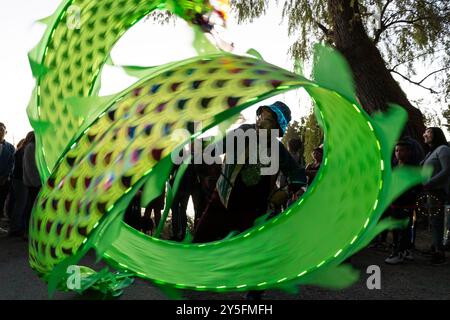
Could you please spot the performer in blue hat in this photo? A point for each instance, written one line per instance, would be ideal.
(243, 192)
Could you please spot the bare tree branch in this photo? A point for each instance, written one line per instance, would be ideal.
(414, 58)
(414, 82)
(406, 21)
(434, 72)
(327, 32)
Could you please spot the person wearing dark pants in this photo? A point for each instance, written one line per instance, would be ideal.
(403, 209)
(7, 151)
(438, 158)
(180, 202)
(31, 179)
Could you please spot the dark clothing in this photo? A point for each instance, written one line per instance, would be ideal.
(188, 183)
(437, 221)
(133, 213)
(439, 186)
(179, 215)
(6, 167)
(6, 159)
(32, 195)
(4, 192)
(403, 208)
(242, 195)
(217, 222)
(18, 164)
(207, 176)
(30, 171)
(403, 238)
(311, 171)
(251, 172)
(439, 160)
(18, 219)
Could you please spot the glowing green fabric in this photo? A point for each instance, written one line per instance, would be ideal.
(94, 153)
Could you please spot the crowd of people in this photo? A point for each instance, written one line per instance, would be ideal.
(229, 198)
(19, 183)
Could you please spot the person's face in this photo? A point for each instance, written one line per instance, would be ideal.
(2, 133)
(266, 120)
(402, 153)
(428, 136)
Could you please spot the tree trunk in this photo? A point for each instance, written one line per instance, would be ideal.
(375, 86)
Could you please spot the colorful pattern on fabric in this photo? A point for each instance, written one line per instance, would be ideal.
(94, 153)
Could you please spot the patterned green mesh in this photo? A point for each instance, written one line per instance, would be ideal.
(96, 152)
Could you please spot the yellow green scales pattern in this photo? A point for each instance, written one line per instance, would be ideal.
(121, 143)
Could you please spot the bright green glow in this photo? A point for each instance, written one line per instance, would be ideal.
(302, 273)
(367, 222)
(356, 108)
(378, 145)
(375, 205)
(261, 284)
(224, 265)
(338, 253)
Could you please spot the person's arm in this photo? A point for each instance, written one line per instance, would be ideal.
(441, 176)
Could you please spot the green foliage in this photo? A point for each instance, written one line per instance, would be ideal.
(446, 115)
(313, 136)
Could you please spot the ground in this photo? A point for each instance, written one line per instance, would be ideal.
(413, 280)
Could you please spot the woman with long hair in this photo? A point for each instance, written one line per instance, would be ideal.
(31, 178)
(438, 186)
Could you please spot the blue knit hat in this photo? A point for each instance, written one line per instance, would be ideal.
(281, 111)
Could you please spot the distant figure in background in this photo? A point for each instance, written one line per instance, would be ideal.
(17, 226)
(313, 168)
(403, 208)
(156, 206)
(31, 178)
(438, 185)
(180, 202)
(6, 168)
(206, 178)
(295, 148)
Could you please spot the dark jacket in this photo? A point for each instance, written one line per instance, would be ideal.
(6, 158)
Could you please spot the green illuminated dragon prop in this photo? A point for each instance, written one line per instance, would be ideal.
(94, 153)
